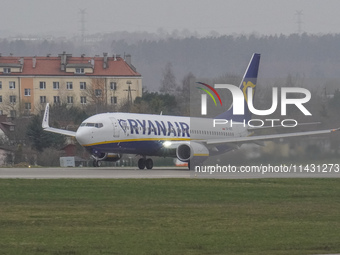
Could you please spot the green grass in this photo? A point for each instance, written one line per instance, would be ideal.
(170, 216)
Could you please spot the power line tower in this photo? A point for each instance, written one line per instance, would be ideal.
(299, 21)
(82, 13)
(129, 97)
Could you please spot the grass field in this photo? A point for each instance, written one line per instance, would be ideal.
(170, 216)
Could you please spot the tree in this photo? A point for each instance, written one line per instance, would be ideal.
(41, 139)
(67, 115)
(10, 104)
(183, 96)
(168, 82)
(155, 103)
(96, 96)
(335, 101)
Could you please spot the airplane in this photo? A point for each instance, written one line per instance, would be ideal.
(107, 136)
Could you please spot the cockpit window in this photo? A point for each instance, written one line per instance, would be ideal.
(97, 125)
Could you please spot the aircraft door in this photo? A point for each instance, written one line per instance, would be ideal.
(116, 128)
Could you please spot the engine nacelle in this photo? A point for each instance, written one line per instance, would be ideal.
(107, 157)
(113, 157)
(187, 151)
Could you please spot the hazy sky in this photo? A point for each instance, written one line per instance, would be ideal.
(61, 17)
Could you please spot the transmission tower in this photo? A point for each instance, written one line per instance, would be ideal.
(299, 21)
(82, 13)
(129, 99)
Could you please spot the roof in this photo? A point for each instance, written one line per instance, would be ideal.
(51, 66)
(9, 65)
(8, 123)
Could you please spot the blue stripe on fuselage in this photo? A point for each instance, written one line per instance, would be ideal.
(131, 147)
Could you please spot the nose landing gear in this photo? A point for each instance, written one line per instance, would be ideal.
(96, 163)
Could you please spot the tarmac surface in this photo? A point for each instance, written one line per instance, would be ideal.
(157, 172)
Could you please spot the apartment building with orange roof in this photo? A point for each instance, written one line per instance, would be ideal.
(28, 83)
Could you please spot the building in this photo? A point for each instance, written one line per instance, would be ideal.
(28, 83)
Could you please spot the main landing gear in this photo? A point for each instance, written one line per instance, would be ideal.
(145, 163)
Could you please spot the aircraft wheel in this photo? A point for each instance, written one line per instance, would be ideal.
(149, 163)
(141, 163)
(96, 163)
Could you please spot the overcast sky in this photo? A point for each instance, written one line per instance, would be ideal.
(61, 17)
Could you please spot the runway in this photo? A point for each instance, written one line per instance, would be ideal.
(91, 173)
(159, 172)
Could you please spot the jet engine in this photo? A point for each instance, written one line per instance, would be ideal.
(187, 151)
(107, 157)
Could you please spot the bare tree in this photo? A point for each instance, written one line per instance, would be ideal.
(95, 95)
(183, 96)
(10, 104)
(168, 82)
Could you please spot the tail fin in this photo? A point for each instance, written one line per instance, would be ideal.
(249, 80)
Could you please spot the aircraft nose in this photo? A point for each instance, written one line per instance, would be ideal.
(83, 136)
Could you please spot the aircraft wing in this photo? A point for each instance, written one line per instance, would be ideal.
(47, 127)
(268, 137)
(61, 131)
(280, 126)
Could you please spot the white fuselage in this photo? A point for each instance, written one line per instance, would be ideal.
(145, 134)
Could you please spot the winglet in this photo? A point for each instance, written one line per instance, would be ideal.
(47, 127)
(46, 117)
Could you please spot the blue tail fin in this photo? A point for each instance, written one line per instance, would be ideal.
(249, 80)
